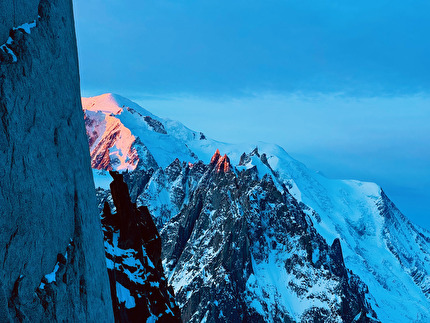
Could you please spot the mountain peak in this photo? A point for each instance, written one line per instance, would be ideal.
(222, 164)
(110, 103)
(215, 157)
(107, 103)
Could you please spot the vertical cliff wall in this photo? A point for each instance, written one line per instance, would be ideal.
(15, 13)
(52, 265)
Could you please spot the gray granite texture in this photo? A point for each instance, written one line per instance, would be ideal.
(52, 265)
(15, 13)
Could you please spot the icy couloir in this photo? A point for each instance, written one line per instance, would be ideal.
(387, 252)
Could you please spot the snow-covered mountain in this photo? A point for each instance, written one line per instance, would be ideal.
(257, 225)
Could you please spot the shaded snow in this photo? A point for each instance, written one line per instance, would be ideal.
(26, 27)
(124, 296)
(51, 276)
(133, 268)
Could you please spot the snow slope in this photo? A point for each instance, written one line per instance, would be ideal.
(390, 254)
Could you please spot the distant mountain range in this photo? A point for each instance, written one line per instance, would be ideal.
(249, 233)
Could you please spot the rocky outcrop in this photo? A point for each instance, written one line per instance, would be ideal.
(140, 292)
(107, 131)
(52, 266)
(222, 164)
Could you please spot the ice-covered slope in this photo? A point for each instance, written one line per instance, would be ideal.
(390, 254)
(379, 243)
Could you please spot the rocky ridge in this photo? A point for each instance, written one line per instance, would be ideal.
(242, 250)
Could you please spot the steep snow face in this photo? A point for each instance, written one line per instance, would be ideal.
(388, 253)
(114, 123)
(107, 131)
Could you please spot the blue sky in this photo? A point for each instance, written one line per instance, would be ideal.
(343, 86)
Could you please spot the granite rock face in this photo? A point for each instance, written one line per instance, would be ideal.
(52, 266)
(15, 13)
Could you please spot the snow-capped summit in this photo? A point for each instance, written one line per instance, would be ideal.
(168, 173)
(111, 103)
(116, 127)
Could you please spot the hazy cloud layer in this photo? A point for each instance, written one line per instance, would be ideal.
(236, 47)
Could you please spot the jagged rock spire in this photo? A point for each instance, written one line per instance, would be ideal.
(139, 288)
(215, 157)
(222, 164)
